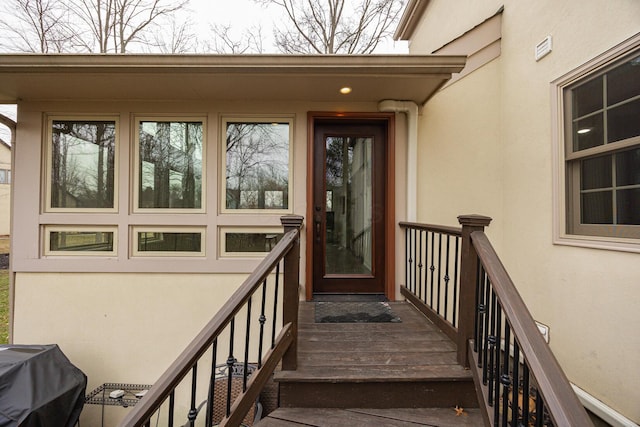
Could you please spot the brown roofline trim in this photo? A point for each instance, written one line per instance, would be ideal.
(410, 19)
(247, 64)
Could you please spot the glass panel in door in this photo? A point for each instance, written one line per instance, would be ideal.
(349, 203)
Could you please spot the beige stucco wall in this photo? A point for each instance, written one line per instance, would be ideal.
(502, 114)
(460, 152)
(123, 328)
(5, 192)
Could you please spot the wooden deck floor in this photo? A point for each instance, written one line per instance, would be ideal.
(441, 417)
(373, 358)
(413, 348)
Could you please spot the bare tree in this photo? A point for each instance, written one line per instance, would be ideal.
(334, 26)
(35, 26)
(180, 39)
(114, 24)
(223, 41)
(104, 26)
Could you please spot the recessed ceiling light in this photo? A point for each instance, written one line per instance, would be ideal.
(345, 90)
(584, 130)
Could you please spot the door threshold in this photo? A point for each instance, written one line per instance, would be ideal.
(348, 297)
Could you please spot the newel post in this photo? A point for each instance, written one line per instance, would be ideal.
(468, 277)
(290, 291)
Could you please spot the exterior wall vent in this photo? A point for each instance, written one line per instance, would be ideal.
(543, 48)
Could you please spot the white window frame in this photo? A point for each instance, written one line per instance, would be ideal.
(48, 229)
(266, 119)
(561, 120)
(222, 239)
(167, 229)
(135, 192)
(47, 184)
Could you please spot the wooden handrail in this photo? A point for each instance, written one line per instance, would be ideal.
(170, 379)
(454, 231)
(563, 405)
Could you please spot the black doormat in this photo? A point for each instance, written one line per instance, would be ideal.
(354, 312)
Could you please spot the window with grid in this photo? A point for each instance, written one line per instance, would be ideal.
(602, 151)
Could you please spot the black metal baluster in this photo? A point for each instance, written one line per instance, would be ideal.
(172, 407)
(491, 340)
(446, 279)
(246, 345)
(275, 307)
(487, 308)
(515, 401)
(456, 283)
(539, 409)
(230, 362)
(415, 260)
(420, 264)
(439, 271)
(262, 320)
(525, 394)
(481, 312)
(425, 281)
(496, 366)
(432, 268)
(212, 381)
(193, 412)
(505, 378)
(407, 263)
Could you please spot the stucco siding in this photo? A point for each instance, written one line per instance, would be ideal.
(123, 328)
(588, 297)
(444, 20)
(460, 152)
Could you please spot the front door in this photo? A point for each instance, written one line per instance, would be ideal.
(349, 193)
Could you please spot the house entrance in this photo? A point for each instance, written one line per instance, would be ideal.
(349, 205)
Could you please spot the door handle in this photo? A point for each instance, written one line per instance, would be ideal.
(318, 223)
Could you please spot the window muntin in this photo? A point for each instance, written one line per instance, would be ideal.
(80, 240)
(248, 242)
(257, 165)
(81, 165)
(603, 152)
(168, 241)
(169, 165)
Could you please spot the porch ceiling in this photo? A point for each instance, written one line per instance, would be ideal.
(224, 77)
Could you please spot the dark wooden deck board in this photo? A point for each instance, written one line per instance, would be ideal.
(442, 417)
(409, 364)
(409, 350)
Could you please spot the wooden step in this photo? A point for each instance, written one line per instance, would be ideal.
(330, 417)
(410, 364)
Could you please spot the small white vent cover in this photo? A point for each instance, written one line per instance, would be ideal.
(543, 48)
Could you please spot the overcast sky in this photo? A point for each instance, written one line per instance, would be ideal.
(240, 14)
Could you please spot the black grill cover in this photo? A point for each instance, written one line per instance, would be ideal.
(39, 387)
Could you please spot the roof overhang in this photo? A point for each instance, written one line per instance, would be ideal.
(410, 19)
(31, 77)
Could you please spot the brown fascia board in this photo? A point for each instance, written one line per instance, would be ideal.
(410, 18)
(247, 64)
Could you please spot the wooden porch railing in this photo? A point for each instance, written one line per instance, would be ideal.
(177, 400)
(454, 276)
